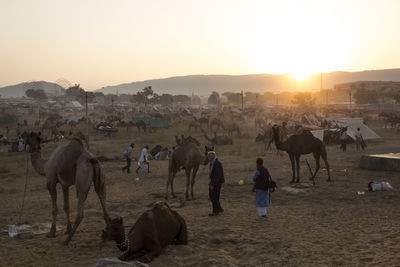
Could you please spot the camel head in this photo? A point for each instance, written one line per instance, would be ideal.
(207, 149)
(33, 140)
(114, 231)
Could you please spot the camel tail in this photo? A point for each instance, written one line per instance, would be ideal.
(98, 180)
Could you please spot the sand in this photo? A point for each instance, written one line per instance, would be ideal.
(324, 226)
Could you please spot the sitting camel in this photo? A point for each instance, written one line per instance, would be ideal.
(219, 140)
(154, 230)
(69, 165)
(301, 144)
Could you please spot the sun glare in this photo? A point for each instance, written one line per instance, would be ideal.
(301, 75)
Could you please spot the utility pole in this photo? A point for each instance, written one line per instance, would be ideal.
(242, 99)
(87, 123)
(256, 99)
(350, 102)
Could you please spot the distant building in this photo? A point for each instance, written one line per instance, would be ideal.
(369, 85)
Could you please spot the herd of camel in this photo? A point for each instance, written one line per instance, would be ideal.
(72, 164)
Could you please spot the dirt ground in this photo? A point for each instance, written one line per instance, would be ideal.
(326, 225)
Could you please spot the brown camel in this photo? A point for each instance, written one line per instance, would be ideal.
(154, 230)
(140, 125)
(217, 123)
(188, 156)
(259, 122)
(203, 121)
(219, 140)
(302, 144)
(194, 124)
(231, 128)
(69, 165)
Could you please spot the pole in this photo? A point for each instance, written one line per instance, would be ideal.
(350, 102)
(87, 123)
(242, 99)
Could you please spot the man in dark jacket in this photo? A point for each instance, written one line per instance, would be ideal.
(216, 180)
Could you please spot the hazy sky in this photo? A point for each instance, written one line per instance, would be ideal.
(98, 43)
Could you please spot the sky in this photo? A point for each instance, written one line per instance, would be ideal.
(97, 42)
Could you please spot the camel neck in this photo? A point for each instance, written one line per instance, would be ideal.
(38, 163)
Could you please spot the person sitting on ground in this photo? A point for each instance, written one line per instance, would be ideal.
(143, 162)
(163, 154)
(262, 179)
(127, 156)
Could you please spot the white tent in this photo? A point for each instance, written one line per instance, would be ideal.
(352, 124)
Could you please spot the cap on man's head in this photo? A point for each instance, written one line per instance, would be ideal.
(211, 153)
(132, 144)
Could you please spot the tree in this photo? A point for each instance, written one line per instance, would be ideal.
(36, 94)
(233, 98)
(213, 98)
(184, 99)
(365, 96)
(166, 99)
(304, 100)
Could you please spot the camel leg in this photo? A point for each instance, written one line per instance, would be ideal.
(291, 157)
(317, 166)
(297, 157)
(51, 186)
(79, 216)
(66, 208)
(170, 181)
(187, 171)
(327, 167)
(195, 169)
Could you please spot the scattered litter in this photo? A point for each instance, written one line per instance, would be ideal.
(360, 193)
(241, 182)
(381, 186)
(177, 205)
(116, 262)
(25, 230)
(137, 179)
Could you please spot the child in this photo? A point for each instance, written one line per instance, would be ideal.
(261, 179)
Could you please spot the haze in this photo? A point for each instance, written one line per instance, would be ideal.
(98, 43)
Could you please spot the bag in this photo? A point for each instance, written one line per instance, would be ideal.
(271, 185)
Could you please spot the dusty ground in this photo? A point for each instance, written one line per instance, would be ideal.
(327, 225)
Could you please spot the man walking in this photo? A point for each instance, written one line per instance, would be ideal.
(143, 162)
(216, 180)
(127, 156)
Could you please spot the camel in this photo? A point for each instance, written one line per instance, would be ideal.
(259, 122)
(219, 140)
(69, 165)
(231, 128)
(216, 122)
(184, 140)
(140, 125)
(302, 144)
(194, 124)
(188, 156)
(204, 120)
(153, 230)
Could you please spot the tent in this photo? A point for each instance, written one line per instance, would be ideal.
(352, 124)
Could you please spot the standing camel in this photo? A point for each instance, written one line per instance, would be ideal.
(302, 144)
(69, 165)
(188, 156)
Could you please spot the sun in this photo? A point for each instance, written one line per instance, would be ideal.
(301, 74)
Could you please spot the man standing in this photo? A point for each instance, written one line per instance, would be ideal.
(358, 139)
(143, 163)
(343, 139)
(216, 180)
(127, 156)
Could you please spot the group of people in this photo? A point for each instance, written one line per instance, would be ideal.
(261, 178)
(143, 162)
(360, 144)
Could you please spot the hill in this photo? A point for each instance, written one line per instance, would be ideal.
(205, 84)
(18, 90)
